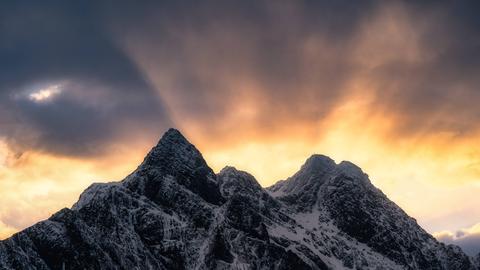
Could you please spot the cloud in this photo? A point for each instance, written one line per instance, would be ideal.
(294, 64)
(6, 231)
(36, 184)
(208, 70)
(468, 239)
(428, 79)
(242, 74)
(59, 53)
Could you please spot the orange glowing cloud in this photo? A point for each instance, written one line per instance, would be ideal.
(35, 185)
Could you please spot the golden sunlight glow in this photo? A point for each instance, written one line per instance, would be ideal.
(440, 170)
(36, 185)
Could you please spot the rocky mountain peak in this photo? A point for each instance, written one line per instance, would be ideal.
(318, 171)
(317, 163)
(173, 135)
(233, 181)
(350, 169)
(351, 177)
(311, 175)
(173, 212)
(173, 147)
(175, 158)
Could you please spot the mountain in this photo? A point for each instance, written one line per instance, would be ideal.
(174, 212)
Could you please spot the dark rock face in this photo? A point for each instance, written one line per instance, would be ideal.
(173, 212)
(364, 213)
(176, 157)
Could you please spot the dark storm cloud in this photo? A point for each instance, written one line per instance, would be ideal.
(45, 43)
(219, 65)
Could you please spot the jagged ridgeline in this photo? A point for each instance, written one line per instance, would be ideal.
(174, 212)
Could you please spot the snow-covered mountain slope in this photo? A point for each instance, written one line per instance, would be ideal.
(348, 199)
(173, 212)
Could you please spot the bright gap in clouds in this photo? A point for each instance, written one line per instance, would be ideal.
(45, 94)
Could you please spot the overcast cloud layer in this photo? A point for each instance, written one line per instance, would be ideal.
(219, 61)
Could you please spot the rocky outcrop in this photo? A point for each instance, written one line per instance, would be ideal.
(174, 212)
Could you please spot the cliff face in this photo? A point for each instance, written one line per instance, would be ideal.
(174, 212)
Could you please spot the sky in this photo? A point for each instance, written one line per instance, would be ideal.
(88, 87)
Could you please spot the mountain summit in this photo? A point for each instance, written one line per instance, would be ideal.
(174, 212)
(176, 157)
